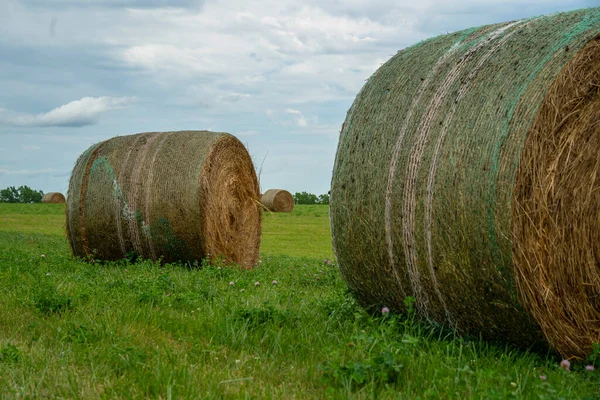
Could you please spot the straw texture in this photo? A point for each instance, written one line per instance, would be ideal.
(54, 197)
(177, 196)
(465, 177)
(278, 200)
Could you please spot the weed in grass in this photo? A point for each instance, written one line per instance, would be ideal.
(131, 256)
(9, 354)
(374, 357)
(49, 299)
(126, 358)
(383, 368)
(594, 356)
(341, 306)
(267, 314)
(82, 333)
(187, 300)
(151, 289)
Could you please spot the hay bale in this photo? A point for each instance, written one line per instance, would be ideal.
(466, 176)
(54, 197)
(179, 196)
(278, 200)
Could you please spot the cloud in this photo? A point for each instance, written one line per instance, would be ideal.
(30, 172)
(300, 119)
(267, 52)
(117, 3)
(301, 123)
(82, 112)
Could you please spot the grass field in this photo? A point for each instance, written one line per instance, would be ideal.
(288, 329)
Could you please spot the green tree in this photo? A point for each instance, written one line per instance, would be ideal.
(309, 198)
(9, 195)
(324, 199)
(24, 194)
(29, 195)
(305, 198)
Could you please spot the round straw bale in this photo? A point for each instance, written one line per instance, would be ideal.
(54, 197)
(467, 176)
(179, 196)
(278, 200)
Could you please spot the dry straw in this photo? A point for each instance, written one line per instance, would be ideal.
(467, 176)
(179, 196)
(278, 200)
(54, 197)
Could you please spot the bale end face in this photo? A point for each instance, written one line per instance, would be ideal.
(230, 200)
(555, 222)
(54, 197)
(278, 200)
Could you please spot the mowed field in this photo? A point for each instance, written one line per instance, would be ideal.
(288, 329)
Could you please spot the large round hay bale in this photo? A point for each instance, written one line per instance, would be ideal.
(179, 196)
(467, 176)
(54, 197)
(278, 200)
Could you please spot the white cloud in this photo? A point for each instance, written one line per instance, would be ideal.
(270, 48)
(82, 112)
(118, 3)
(29, 171)
(300, 119)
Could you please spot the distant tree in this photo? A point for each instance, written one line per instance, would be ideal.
(305, 198)
(309, 198)
(324, 199)
(29, 195)
(9, 195)
(24, 194)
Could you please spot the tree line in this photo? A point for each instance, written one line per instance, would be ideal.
(22, 194)
(310, 198)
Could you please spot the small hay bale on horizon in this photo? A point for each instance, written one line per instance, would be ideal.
(466, 176)
(175, 196)
(278, 200)
(54, 197)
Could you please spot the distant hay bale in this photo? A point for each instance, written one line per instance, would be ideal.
(54, 197)
(278, 200)
(179, 196)
(467, 176)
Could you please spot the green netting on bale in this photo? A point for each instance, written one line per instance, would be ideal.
(424, 180)
(175, 196)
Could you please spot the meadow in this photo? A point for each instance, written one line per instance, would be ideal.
(73, 328)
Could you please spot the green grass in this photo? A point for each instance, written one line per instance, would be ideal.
(70, 329)
(32, 218)
(304, 232)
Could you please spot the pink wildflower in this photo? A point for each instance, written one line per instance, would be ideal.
(231, 283)
(256, 283)
(543, 377)
(274, 282)
(566, 365)
(385, 310)
(589, 367)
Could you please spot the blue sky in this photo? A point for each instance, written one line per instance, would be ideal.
(278, 74)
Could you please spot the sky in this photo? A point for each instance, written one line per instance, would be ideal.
(278, 74)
